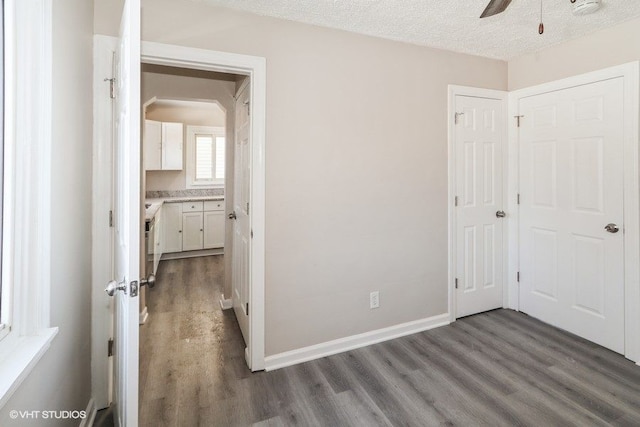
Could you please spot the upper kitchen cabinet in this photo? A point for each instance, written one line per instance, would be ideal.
(163, 142)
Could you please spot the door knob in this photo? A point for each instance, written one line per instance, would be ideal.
(150, 281)
(232, 215)
(500, 214)
(114, 286)
(611, 228)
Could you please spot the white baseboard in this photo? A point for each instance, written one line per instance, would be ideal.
(340, 345)
(144, 315)
(91, 414)
(226, 304)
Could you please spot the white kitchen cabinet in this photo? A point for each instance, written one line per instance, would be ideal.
(157, 240)
(213, 229)
(163, 144)
(202, 225)
(192, 231)
(152, 145)
(172, 142)
(172, 227)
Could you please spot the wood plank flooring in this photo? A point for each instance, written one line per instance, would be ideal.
(499, 368)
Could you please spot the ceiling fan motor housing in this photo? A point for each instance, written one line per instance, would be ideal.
(585, 7)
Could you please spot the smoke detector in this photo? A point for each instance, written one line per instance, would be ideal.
(585, 7)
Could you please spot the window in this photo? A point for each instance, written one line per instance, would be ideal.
(26, 172)
(205, 156)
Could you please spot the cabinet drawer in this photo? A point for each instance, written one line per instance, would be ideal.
(214, 205)
(191, 206)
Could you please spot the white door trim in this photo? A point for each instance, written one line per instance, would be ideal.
(255, 68)
(454, 91)
(631, 74)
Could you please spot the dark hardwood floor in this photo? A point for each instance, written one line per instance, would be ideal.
(499, 368)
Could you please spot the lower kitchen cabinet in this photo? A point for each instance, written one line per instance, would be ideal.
(191, 226)
(213, 225)
(192, 231)
(172, 228)
(157, 239)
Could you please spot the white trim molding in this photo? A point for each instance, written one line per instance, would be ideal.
(226, 304)
(341, 345)
(630, 73)
(475, 93)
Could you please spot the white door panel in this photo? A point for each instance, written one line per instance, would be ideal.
(478, 162)
(241, 205)
(571, 187)
(127, 218)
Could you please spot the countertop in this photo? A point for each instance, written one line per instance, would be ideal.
(152, 210)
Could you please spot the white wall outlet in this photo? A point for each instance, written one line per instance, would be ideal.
(374, 299)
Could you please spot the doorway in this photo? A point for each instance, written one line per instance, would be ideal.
(477, 215)
(194, 59)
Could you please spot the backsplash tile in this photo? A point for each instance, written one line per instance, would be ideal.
(185, 193)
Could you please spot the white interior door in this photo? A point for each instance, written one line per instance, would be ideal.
(478, 143)
(571, 187)
(241, 204)
(127, 215)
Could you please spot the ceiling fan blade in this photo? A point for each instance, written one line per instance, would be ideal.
(495, 7)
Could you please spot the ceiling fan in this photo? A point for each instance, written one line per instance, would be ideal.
(582, 8)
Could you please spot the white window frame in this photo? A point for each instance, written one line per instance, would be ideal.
(27, 202)
(192, 131)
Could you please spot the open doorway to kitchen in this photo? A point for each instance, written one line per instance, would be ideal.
(188, 338)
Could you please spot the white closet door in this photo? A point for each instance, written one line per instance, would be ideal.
(571, 188)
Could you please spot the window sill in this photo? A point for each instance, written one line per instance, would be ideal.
(18, 357)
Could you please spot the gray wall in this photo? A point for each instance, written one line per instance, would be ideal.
(613, 46)
(62, 378)
(356, 176)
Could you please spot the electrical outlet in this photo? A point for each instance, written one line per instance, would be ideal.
(374, 299)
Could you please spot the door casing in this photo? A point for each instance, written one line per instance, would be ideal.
(255, 68)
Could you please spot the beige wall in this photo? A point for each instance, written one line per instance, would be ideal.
(61, 380)
(613, 46)
(356, 155)
(203, 87)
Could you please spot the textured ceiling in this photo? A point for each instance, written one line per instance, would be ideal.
(448, 24)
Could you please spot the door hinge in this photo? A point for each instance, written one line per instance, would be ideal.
(518, 119)
(248, 104)
(456, 117)
(110, 218)
(456, 283)
(455, 201)
(518, 277)
(110, 347)
(518, 198)
(247, 208)
(252, 234)
(247, 308)
(112, 90)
